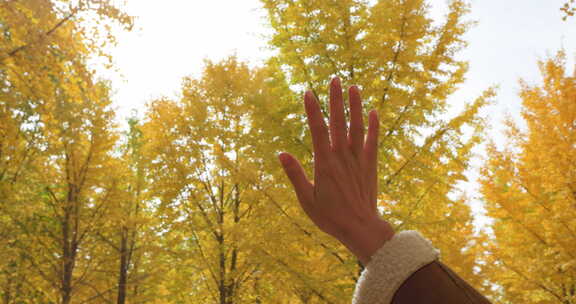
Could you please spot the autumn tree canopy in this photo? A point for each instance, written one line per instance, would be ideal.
(530, 191)
(189, 204)
(57, 131)
(406, 67)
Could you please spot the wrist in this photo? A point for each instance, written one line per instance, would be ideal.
(365, 239)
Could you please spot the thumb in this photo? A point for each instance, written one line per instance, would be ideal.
(302, 186)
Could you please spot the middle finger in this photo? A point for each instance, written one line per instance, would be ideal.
(337, 119)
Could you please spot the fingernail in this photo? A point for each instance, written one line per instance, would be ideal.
(374, 115)
(283, 157)
(310, 99)
(336, 80)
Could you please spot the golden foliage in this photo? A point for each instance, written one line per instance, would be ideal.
(190, 204)
(406, 67)
(530, 191)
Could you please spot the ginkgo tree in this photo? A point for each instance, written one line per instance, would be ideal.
(211, 156)
(191, 205)
(406, 66)
(529, 187)
(56, 131)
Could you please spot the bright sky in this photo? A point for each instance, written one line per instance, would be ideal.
(175, 36)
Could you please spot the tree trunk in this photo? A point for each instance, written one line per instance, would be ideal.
(123, 272)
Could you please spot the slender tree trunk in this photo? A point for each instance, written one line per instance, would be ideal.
(67, 256)
(222, 283)
(123, 272)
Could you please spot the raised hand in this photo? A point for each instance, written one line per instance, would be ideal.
(341, 200)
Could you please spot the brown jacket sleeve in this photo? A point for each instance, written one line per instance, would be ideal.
(436, 283)
(406, 270)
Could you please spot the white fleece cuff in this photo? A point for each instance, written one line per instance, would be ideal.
(391, 265)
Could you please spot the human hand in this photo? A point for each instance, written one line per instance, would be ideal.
(341, 200)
